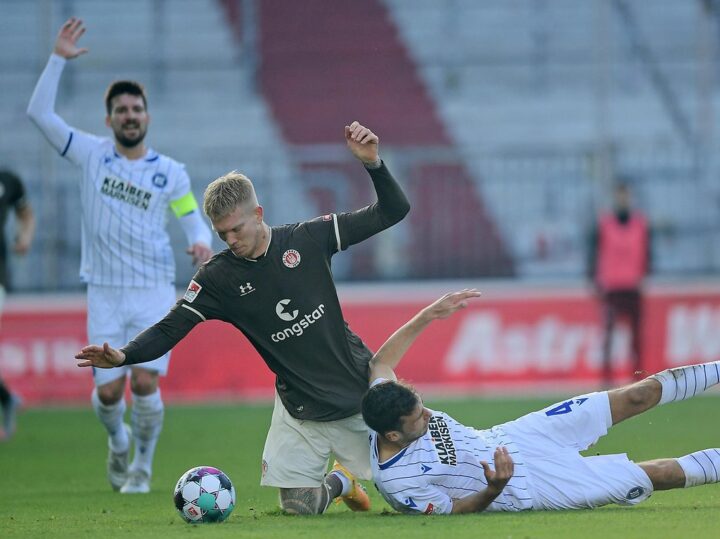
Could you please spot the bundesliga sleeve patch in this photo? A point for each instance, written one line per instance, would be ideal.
(192, 291)
(430, 509)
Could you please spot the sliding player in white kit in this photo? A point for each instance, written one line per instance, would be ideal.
(425, 462)
(127, 261)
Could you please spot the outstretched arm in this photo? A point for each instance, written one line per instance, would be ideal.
(148, 345)
(383, 363)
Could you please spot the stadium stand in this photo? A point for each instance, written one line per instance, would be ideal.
(352, 65)
(536, 95)
(203, 109)
(508, 116)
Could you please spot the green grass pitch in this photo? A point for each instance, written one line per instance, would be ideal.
(52, 480)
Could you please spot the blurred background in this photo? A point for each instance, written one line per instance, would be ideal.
(506, 122)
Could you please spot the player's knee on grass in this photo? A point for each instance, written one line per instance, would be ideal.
(303, 501)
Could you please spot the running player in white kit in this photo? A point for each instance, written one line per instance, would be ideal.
(425, 462)
(127, 261)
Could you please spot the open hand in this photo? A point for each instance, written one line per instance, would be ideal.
(450, 303)
(504, 469)
(66, 42)
(103, 357)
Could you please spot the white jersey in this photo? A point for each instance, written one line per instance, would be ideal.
(443, 465)
(124, 213)
(124, 203)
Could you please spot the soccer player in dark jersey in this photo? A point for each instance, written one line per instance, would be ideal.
(12, 195)
(275, 285)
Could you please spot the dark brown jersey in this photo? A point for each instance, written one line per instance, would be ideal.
(286, 304)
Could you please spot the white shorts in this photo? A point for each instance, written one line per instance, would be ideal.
(117, 314)
(297, 452)
(549, 442)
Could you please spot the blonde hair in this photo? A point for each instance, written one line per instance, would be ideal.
(226, 193)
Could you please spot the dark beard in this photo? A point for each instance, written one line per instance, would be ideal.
(129, 142)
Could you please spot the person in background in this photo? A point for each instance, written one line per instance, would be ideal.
(619, 263)
(126, 189)
(12, 195)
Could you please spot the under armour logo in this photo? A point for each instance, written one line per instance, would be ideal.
(246, 289)
(280, 310)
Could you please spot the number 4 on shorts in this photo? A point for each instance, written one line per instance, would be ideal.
(565, 407)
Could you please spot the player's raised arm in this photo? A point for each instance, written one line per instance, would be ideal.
(41, 108)
(392, 205)
(383, 363)
(363, 143)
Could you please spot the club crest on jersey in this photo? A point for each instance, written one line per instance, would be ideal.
(192, 291)
(291, 258)
(159, 180)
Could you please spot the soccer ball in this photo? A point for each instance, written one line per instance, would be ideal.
(204, 494)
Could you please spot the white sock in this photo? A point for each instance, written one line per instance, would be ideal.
(683, 383)
(701, 467)
(111, 416)
(146, 421)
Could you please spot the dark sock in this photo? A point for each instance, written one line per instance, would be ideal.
(334, 485)
(330, 489)
(4, 395)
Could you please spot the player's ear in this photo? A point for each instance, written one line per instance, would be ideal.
(259, 213)
(392, 436)
(107, 120)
